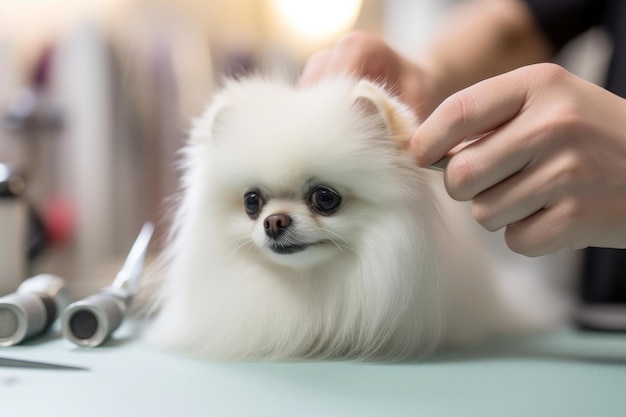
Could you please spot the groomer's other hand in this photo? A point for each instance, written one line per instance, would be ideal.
(368, 56)
(551, 167)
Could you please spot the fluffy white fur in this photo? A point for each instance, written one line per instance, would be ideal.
(399, 267)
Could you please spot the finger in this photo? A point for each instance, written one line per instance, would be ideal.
(473, 111)
(544, 232)
(512, 200)
(345, 61)
(487, 161)
(360, 54)
(314, 69)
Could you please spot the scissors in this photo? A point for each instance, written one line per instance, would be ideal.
(19, 363)
(441, 164)
(90, 321)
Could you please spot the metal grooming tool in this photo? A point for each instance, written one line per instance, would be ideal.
(32, 309)
(441, 164)
(90, 321)
(20, 363)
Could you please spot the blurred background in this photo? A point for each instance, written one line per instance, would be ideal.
(96, 97)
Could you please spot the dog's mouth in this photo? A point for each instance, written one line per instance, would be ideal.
(284, 249)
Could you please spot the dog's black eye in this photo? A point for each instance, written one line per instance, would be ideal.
(325, 200)
(252, 203)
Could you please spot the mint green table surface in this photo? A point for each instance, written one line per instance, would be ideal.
(564, 373)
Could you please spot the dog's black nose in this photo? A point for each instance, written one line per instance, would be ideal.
(276, 224)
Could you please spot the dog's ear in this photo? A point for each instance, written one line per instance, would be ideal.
(206, 127)
(373, 101)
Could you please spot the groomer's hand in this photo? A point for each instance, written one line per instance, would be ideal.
(551, 166)
(368, 56)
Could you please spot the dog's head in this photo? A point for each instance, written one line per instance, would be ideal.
(295, 176)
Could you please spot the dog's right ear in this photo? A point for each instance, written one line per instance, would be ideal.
(206, 127)
(373, 101)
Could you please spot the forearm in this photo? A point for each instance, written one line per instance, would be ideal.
(481, 39)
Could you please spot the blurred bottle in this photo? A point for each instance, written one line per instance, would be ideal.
(13, 230)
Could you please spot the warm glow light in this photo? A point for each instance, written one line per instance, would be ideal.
(318, 19)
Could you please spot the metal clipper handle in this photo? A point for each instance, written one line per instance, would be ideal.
(22, 316)
(90, 321)
(31, 309)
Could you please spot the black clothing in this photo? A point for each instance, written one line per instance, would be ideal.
(604, 272)
(563, 20)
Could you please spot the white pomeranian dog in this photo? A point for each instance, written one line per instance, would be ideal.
(306, 230)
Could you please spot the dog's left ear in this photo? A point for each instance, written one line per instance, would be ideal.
(205, 128)
(373, 101)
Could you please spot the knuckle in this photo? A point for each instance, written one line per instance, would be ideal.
(555, 228)
(571, 226)
(570, 166)
(569, 172)
(316, 61)
(360, 53)
(318, 57)
(459, 108)
(420, 153)
(550, 73)
(459, 176)
(483, 214)
(573, 211)
(516, 240)
(314, 68)
(358, 42)
(565, 118)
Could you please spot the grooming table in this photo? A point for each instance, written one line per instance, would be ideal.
(565, 373)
